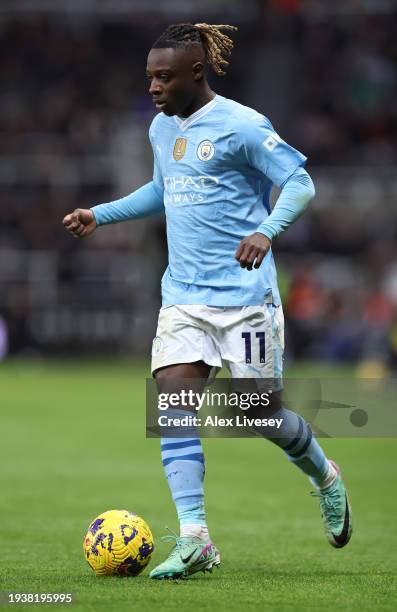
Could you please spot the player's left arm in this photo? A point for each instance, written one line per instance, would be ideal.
(296, 193)
(263, 149)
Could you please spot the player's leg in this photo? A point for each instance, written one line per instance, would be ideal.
(180, 337)
(183, 461)
(294, 436)
(181, 450)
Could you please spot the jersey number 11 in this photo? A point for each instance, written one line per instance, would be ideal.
(248, 346)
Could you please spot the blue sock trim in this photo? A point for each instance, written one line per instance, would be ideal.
(304, 448)
(173, 445)
(180, 452)
(297, 439)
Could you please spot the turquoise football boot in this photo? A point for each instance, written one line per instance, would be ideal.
(188, 556)
(336, 511)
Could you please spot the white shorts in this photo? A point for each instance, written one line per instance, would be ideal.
(247, 340)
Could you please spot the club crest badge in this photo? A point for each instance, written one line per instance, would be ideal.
(179, 148)
(205, 150)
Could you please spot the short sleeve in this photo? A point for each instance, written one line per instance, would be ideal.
(268, 153)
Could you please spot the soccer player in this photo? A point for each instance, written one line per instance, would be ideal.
(215, 162)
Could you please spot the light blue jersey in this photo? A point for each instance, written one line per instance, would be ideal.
(217, 168)
(213, 173)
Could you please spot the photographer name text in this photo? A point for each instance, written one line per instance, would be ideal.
(215, 421)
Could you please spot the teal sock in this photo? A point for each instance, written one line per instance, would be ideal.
(193, 513)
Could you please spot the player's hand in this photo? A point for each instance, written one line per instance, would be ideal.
(252, 250)
(80, 223)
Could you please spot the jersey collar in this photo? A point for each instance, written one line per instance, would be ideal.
(184, 124)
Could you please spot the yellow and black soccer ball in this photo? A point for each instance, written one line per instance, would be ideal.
(118, 542)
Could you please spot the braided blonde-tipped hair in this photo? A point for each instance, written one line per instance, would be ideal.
(217, 45)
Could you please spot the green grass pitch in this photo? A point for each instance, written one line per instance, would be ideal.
(73, 445)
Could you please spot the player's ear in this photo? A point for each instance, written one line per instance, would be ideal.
(198, 71)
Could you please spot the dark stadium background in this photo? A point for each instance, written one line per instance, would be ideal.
(74, 117)
(77, 317)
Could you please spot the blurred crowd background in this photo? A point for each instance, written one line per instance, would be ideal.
(74, 117)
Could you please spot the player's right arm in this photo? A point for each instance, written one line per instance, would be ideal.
(144, 202)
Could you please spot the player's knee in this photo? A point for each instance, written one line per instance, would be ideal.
(198, 369)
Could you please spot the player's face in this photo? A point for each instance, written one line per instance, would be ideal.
(173, 75)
